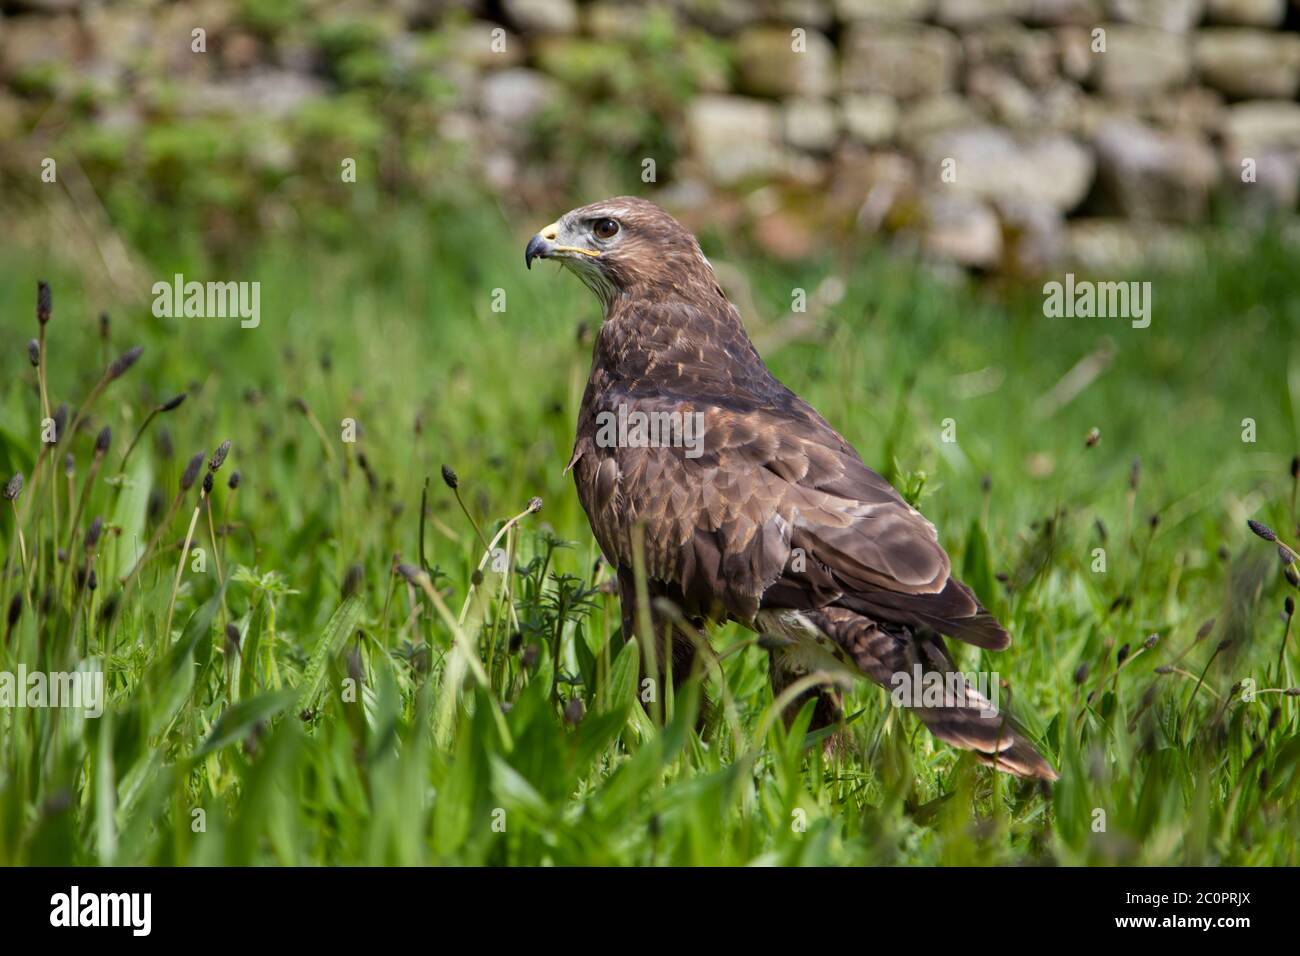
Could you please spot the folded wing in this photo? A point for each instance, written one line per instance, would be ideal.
(773, 509)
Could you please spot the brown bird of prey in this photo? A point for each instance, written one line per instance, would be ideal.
(751, 506)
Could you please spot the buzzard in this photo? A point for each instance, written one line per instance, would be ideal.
(750, 506)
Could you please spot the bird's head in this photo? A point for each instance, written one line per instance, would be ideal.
(621, 244)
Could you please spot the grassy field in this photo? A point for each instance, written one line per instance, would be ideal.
(308, 704)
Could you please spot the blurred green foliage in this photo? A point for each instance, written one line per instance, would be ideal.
(167, 159)
(624, 100)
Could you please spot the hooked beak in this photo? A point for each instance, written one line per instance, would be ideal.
(544, 246)
(538, 248)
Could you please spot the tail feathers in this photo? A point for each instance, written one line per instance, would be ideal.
(1022, 760)
(995, 739)
(954, 611)
(918, 672)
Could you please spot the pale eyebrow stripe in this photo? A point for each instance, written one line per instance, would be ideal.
(607, 212)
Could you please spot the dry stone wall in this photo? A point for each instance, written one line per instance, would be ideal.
(998, 134)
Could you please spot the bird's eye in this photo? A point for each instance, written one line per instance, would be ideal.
(605, 228)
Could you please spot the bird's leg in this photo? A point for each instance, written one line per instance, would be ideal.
(798, 650)
(671, 636)
(783, 669)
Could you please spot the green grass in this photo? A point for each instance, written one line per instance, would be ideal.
(397, 331)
